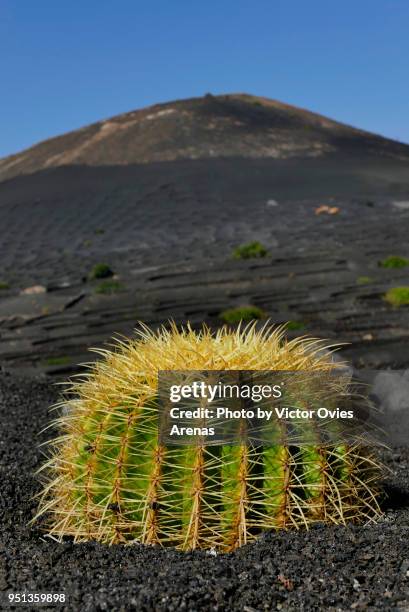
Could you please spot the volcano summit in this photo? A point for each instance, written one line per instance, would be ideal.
(225, 126)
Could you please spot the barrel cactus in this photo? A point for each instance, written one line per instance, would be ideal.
(109, 478)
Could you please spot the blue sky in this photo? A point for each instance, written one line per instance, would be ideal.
(66, 63)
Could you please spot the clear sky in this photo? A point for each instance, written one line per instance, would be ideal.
(66, 63)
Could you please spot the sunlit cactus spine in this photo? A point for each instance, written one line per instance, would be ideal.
(109, 479)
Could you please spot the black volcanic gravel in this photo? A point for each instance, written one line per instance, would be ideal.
(323, 569)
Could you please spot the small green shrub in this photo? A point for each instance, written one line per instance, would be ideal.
(101, 270)
(397, 296)
(99, 231)
(109, 286)
(250, 250)
(4, 285)
(394, 261)
(56, 361)
(295, 325)
(364, 280)
(242, 313)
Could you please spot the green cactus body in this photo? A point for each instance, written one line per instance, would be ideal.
(110, 479)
